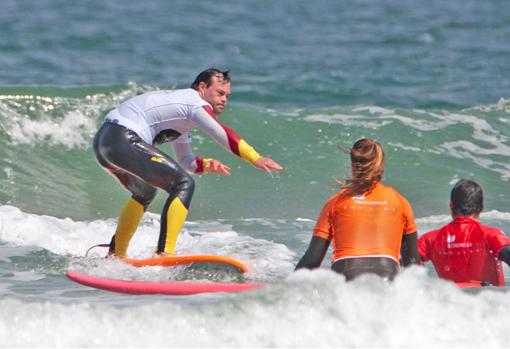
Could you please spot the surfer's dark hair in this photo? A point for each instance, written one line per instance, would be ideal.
(466, 198)
(207, 75)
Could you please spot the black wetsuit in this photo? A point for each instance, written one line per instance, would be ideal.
(141, 168)
(351, 268)
(125, 146)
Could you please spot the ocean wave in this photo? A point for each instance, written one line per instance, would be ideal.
(502, 105)
(287, 314)
(65, 237)
(472, 134)
(61, 117)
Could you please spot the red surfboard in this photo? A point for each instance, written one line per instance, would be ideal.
(178, 288)
(179, 260)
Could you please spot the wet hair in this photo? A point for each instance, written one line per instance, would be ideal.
(367, 163)
(466, 198)
(207, 75)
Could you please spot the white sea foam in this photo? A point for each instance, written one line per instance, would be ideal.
(304, 220)
(66, 121)
(265, 259)
(302, 309)
(72, 130)
(404, 147)
(348, 120)
(26, 276)
(502, 105)
(429, 121)
(504, 216)
(310, 309)
(493, 218)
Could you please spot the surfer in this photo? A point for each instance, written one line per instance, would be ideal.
(465, 250)
(126, 146)
(370, 224)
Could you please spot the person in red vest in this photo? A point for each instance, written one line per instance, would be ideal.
(465, 250)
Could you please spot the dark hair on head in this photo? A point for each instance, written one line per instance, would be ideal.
(207, 75)
(466, 198)
(367, 162)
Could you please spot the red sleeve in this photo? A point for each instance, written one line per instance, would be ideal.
(496, 239)
(206, 120)
(200, 165)
(423, 246)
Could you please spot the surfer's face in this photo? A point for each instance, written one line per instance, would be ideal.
(216, 94)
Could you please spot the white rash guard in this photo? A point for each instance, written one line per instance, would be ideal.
(153, 114)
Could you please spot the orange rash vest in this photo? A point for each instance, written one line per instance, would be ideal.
(367, 225)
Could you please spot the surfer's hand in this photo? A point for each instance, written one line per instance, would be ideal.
(267, 165)
(215, 166)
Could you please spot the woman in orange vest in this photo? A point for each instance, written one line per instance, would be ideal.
(371, 225)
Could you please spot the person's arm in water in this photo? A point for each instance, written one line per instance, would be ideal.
(231, 141)
(314, 254)
(321, 238)
(504, 254)
(409, 250)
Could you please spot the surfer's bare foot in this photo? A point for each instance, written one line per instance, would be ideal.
(110, 255)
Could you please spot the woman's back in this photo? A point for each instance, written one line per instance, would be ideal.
(368, 222)
(371, 224)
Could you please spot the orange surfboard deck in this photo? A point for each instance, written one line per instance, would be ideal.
(179, 260)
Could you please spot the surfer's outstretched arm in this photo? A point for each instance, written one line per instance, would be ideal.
(207, 121)
(314, 254)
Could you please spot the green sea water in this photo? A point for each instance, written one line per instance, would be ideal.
(49, 167)
(429, 81)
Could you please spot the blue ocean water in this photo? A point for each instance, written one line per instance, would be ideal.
(427, 80)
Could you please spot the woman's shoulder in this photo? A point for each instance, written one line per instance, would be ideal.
(332, 199)
(390, 190)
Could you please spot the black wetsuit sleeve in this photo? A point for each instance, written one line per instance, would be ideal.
(314, 254)
(504, 255)
(409, 250)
